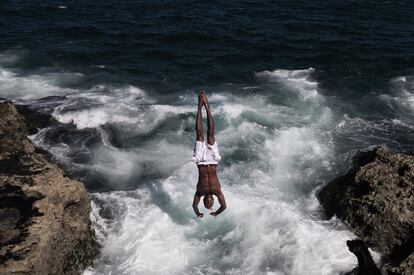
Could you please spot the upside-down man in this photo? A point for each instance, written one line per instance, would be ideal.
(206, 156)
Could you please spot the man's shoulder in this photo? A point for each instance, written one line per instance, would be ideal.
(199, 192)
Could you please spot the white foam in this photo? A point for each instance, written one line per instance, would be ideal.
(121, 166)
(103, 105)
(91, 118)
(298, 80)
(402, 93)
(60, 151)
(143, 120)
(401, 123)
(15, 86)
(154, 245)
(269, 225)
(251, 237)
(293, 152)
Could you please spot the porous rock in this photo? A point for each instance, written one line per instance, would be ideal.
(376, 199)
(45, 225)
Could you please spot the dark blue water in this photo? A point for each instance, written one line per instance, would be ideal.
(296, 88)
(174, 44)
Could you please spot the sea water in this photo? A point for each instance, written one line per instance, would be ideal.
(295, 90)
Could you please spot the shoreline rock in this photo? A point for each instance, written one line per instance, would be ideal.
(376, 199)
(45, 223)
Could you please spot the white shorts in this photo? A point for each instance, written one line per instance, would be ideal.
(205, 153)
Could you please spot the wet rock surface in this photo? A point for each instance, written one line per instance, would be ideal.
(376, 199)
(45, 225)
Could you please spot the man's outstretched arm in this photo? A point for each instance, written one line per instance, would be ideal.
(222, 202)
(196, 201)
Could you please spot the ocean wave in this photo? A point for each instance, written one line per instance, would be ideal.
(359, 133)
(402, 94)
(298, 80)
(101, 105)
(19, 87)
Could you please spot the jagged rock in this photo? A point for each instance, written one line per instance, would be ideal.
(366, 264)
(35, 120)
(45, 226)
(376, 199)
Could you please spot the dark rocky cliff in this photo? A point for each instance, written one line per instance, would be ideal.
(376, 199)
(45, 226)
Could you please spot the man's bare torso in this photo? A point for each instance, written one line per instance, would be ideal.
(208, 182)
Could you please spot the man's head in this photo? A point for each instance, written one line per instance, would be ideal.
(208, 201)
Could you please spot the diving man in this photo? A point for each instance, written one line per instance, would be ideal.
(206, 156)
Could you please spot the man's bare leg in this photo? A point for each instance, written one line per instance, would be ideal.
(200, 137)
(210, 123)
(199, 121)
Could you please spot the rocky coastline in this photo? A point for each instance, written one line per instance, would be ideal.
(376, 200)
(45, 223)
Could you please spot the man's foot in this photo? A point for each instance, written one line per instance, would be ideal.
(201, 98)
(205, 101)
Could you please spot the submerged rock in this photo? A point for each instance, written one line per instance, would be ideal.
(45, 225)
(376, 199)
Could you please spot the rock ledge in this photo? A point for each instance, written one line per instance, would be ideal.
(45, 223)
(376, 199)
